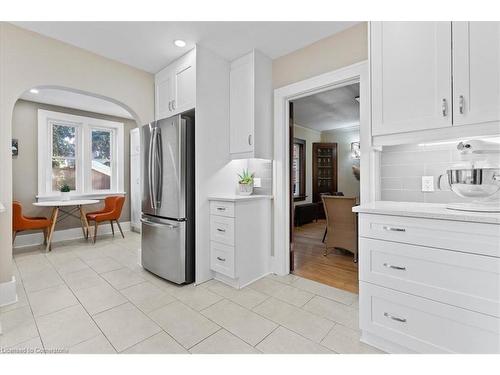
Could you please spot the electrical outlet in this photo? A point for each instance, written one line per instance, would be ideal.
(257, 182)
(427, 183)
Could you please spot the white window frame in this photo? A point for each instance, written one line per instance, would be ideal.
(84, 127)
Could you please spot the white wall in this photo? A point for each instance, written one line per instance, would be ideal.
(27, 60)
(310, 136)
(347, 183)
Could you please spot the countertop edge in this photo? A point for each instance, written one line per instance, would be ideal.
(428, 211)
(237, 198)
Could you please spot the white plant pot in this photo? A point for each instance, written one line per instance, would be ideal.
(65, 195)
(245, 189)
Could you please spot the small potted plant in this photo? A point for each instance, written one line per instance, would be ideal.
(245, 182)
(65, 189)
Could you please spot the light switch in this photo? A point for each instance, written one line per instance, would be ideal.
(427, 183)
(257, 182)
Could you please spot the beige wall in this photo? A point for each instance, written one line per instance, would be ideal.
(25, 184)
(27, 60)
(342, 49)
(310, 136)
(347, 183)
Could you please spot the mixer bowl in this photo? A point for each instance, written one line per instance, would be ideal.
(473, 182)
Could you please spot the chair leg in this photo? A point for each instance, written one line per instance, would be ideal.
(95, 231)
(45, 237)
(120, 227)
(325, 253)
(14, 234)
(112, 227)
(324, 235)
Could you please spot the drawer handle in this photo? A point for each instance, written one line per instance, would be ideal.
(394, 267)
(401, 320)
(221, 230)
(221, 208)
(394, 229)
(221, 259)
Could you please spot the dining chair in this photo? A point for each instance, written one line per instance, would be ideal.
(342, 224)
(336, 194)
(21, 223)
(111, 211)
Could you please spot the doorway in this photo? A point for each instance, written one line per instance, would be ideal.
(324, 185)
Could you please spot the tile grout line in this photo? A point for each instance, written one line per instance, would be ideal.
(90, 316)
(31, 310)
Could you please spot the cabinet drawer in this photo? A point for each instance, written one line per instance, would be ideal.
(465, 280)
(468, 237)
(222, 208)
(426, 326)
(222, 229)
(222, 259)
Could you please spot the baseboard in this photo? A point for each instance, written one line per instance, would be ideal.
(34, 239)
(8, 294)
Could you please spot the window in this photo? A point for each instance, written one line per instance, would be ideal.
(299, 170)
(82, 152)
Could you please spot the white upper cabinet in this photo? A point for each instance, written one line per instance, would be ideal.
(411, 76)
(476, 72)
(175, 87)
(250, 112)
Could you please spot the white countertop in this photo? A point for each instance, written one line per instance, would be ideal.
(235, 198)
(426, 210)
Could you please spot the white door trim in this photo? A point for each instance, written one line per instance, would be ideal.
(369, 188)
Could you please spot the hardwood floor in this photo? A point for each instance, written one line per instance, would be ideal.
(337, 269)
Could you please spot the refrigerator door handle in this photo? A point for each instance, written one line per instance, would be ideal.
(159, 161)
(159, 225)
(150, 168)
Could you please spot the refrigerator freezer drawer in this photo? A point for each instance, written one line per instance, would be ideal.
(163, 248)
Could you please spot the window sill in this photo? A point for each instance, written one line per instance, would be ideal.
(299, 198)
(102, 195)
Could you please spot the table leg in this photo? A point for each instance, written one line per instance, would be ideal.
(55, 212)
(85, 222)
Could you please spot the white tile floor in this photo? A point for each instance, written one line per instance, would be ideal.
(84, 298)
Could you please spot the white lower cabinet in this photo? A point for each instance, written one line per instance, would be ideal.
(429, 286)
(240, 239)
(424, 326)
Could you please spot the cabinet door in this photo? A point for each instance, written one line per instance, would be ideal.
(185, 84)
(164, 92)
(476, 72)
(241, 93)
(411, 76)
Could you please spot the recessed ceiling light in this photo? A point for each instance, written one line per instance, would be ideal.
(34, 91)
(180, 43)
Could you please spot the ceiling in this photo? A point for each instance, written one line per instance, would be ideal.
(149, 45)
(74, 100)
(328, 110)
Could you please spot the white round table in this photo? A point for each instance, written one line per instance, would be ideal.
(57, 206)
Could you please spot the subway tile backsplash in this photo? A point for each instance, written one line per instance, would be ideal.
(403, 166)
(263, 169)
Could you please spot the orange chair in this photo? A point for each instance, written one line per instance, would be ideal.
(21, 223)
(112, 211)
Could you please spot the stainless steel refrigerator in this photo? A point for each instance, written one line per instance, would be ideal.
(167, 157)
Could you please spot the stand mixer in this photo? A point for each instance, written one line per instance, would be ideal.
(476, 177)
